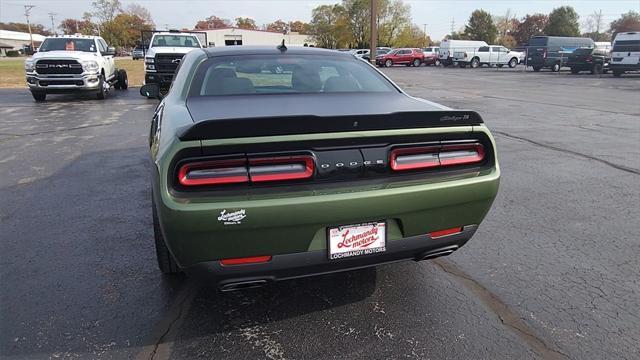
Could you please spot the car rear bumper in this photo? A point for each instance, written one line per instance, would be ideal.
(296, 265)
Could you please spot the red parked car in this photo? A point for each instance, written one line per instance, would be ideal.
(404, 56)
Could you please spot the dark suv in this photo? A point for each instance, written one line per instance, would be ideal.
(595, 61)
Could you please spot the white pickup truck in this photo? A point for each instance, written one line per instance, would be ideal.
(488, 55)
(73, 63)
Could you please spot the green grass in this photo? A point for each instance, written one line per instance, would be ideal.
(12, 71)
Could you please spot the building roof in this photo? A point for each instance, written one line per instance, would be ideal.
(20, 36)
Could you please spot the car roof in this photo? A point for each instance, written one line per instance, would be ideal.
(272, 50)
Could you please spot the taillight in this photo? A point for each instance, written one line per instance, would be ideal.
(589, 58)
(426, 157)
(214, 172)
(241, 170)
(281, 168)
(447, 232)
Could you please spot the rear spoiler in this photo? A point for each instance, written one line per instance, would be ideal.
(312, 124)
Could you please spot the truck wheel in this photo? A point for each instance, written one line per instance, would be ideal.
(416, 62)
(388, 63)
(123, 81)
(166, 263)
(596, 69)
(39, 95)
(500, 65)
(475, 62)
(617, 73)
(575, 71)
(513, 62)
(537, 68)
(555, 67)
(102, 92)
(463, 65)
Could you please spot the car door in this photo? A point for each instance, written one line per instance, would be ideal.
(109, 62)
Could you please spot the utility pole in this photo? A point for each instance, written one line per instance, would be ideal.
(27, 12)
(453, 26)
(598, 21)
(53, 28)
(425, 35)
(374, 31)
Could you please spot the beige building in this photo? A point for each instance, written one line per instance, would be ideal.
(235, 36)
(16, 40)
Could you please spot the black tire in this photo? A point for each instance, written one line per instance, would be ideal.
(123, 81)
(463, 65)
(513, 62)
(166, 263)
(416, 62)
(39, 96)
(475, 62)
(500, 65)
(537, 68)
(617, 73)
(388, 63)
(575, 71)
(555, 67)
(101, 94)
(596, 69)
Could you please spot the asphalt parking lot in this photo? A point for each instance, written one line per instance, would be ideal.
(552, 273)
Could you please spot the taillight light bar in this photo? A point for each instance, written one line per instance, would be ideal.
(426, 157)
(281, 168)
(245, 260)
(214, 172)
(254, 170)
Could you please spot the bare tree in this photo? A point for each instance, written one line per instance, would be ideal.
(141, 12)
(106, 10)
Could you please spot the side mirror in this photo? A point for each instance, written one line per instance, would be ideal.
(110, 51)
(151, 91)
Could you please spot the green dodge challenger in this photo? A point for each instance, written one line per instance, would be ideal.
(272, 163)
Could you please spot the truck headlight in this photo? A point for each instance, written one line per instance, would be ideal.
(149, 60)
(29, 65)
(90, 66)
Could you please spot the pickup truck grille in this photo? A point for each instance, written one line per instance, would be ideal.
(166, 63)
(58, 67)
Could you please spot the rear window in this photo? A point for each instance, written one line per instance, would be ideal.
(284, 74)
(626, 45)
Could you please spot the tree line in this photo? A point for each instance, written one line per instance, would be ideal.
(510, 31)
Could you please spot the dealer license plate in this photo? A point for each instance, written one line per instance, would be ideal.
(356, 240)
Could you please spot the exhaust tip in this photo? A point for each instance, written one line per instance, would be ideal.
(243, 285)
(439, 252)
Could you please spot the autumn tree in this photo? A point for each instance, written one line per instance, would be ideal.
(246, 23)
(393, 17)
(276, 26)
(212, 22)
(627, 22)
(82, 26)
(411, 36)
(563, 21)
(481, 27)
(124, 30)
(328, 26)
(23, 27)
(529, 26)
(299, 27)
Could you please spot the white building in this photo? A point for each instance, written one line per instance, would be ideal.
(236, 36)
(17, 39)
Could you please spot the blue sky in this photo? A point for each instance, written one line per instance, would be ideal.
(436, 14)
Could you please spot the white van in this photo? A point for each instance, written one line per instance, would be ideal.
(625, 55)
(449, 47)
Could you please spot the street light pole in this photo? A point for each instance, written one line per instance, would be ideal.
(425, 35)
(374, 31)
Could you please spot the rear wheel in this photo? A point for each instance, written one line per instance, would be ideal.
(596, 69)
(39, 95)
(416, 62)
(475, 62)
(574, 71)
(537, 68)
(123, 81)
(555, 67)
(388, 63)
(463, 65)
(513, 62)
(166, 263)
(617, 73)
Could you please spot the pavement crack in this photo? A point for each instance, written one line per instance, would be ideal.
(507, 317)
(59, 130)
(167, 328)
(567, 151)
